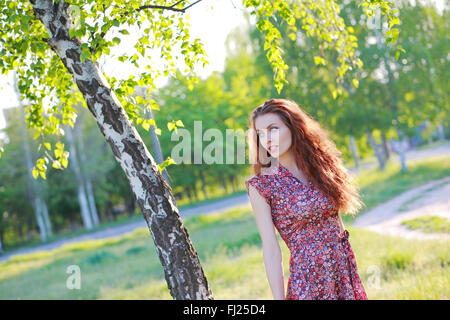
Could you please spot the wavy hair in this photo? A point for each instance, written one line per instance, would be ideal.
(315, 153)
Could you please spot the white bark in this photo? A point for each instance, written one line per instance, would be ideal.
(354, 151)
(82, 199)
(84, 176)
(32, 185)
(441, 132)
(183, 271)
(376, 149)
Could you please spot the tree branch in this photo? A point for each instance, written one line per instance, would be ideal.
(171, 8)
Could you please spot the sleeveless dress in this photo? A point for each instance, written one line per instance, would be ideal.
(322, 264)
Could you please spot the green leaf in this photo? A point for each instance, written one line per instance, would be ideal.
(35, 173)
(319, 60)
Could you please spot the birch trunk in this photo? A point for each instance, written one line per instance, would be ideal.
(85, 176)
(157, 147)
(385, 145)
(1, 245)
(354, 151)
(376, 149)
(401, 149)
(32, 185)
(441, 132)
(82, 199)
(183, 271)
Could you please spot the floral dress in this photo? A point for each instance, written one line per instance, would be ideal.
(322, 264)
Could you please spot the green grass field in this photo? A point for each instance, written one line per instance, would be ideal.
(229, 246)
(429, 224)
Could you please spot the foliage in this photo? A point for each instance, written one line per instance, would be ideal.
(101, 25)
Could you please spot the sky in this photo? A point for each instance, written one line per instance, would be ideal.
(211, 21)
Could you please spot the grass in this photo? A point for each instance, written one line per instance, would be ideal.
(428, 224)
(229, 246)
(120, 220)
(406, 205)
(380, 186)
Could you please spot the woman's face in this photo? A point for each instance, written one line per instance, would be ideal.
(274, 135)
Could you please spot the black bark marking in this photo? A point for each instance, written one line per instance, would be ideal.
(61, 34)
(88, 88)
(63, 20)
(52, 28)
(73, 54)
(132, 148)
(90, 103)
(111, 115)
(114, 148)
(77, 68)
(38, 12)
(64, 61)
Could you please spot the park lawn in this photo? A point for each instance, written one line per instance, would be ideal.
(428, 224)
(380, 186)
(229, 246)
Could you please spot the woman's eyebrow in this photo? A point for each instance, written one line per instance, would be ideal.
(267, 126)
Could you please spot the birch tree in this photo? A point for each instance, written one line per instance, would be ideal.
(55, 46)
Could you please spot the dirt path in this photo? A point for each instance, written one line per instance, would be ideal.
(213, 207)
(242, 200)
(432, 198)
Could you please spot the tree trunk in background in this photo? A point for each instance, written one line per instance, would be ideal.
(33, 187)
(189, 194)
(354, 151)
(109, 211)
(155, 140)
(30, 228)
(46, 218)
(441, 132)
(376, 149)
(85, 176)
(401, 149)
(91, 202)
(130, 204)
(202, 179)
(224, 182)
(393, 99)
(82, 199)
(234, 183)
(385, 145)
(1, 243)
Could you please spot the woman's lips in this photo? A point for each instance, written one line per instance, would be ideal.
(272, 148)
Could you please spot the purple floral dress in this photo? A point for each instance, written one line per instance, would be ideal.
(322, 263)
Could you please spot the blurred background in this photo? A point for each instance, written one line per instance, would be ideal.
(393, 131)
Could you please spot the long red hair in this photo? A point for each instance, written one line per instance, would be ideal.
(315, 153)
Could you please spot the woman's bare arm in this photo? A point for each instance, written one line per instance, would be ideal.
(271, 249)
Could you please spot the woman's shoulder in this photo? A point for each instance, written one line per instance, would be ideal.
(261, 178)
(261, 182)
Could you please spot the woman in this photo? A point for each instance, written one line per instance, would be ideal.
(300, 184)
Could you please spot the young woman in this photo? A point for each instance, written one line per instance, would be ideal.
(300, 184)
